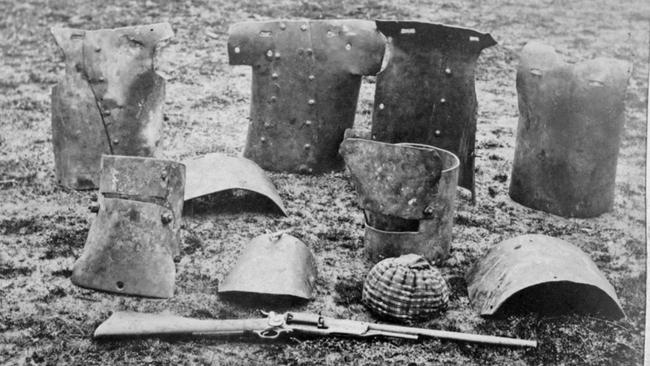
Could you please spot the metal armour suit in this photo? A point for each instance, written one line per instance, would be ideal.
(109, 101)
(426, 92)
(306, 79)
(570, 125)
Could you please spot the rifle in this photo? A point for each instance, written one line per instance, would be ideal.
(133, 324)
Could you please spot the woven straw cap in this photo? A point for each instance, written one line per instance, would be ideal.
(405, 288)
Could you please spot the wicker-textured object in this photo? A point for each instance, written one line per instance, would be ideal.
(405, 288)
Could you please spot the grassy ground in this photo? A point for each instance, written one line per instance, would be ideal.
(44, 319)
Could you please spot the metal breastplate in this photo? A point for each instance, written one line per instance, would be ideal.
(306, 79)
(408, 195)
(570, 125)
(109, 101)
(426, 92)
(132, 242)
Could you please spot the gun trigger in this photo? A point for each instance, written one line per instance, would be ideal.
(271, 332)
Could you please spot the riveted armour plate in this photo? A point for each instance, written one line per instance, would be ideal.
(306, 80)
(132, 242)
(408, 195)
(538, 273)
(426, 92)
(273, 264)
(571, 119)
(215, 172)
(109, 101)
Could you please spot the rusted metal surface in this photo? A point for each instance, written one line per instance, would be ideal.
(132, 242)
(570, 124)
(306, 79)
(215, 172)
(405, 288)
(426, 92)
(273, 264)
(408, 195)
(541, 274)
(109, 101)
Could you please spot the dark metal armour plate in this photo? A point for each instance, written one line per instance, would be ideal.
(110, 100)
(273, 264)
(392, 179)
(570, 124)
(570, 280)
(426, 92)
(306, 79)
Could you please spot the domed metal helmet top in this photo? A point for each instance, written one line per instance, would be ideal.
(570, 126)
(426, 92)
(109, 101)
(306, 80)
(132, 242)
(407, 192)
(405, 288)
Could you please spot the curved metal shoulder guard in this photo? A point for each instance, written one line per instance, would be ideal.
(213, 173)
(109, 101)
(542, 274)
(132, 243)
(407, 192)
(273, 264)
(570, 124)
(306, 80)
(426, 92)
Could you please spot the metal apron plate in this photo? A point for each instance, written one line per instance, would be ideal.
(306, 80)
(570, 124)
(134, 238)
(408, 195)
(215, 172)
(426, 92)
(273, 264)
(109, 101)
(538, 273)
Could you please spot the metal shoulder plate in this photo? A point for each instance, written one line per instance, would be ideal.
(213, 173)
(408, 194)
(538, 273)
(306, 79)
(132, 242)
(426, 93)
(109, 101)
(570, 124)
(273, 264)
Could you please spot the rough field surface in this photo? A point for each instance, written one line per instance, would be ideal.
(44, 319)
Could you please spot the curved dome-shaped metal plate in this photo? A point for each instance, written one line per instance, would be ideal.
(215, 172)
(273, 264)
(538, 273)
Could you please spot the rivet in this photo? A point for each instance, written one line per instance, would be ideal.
(303, 27)
(348, 47)
(101, 78)
(274, 75)
(437, 132)
(381, 106)
(107, 112)
(98, 49)
(312, 77)
(269, 53)
(429, 210)
(273, 99)
(307, 146)
(311, 102)
(283, 26)
(448, 71)
(263, 139)
(443, 100)
(166, 218)
(307, 123)
(116, 142)
(309, 52)
(277, 55)
(237, 50)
